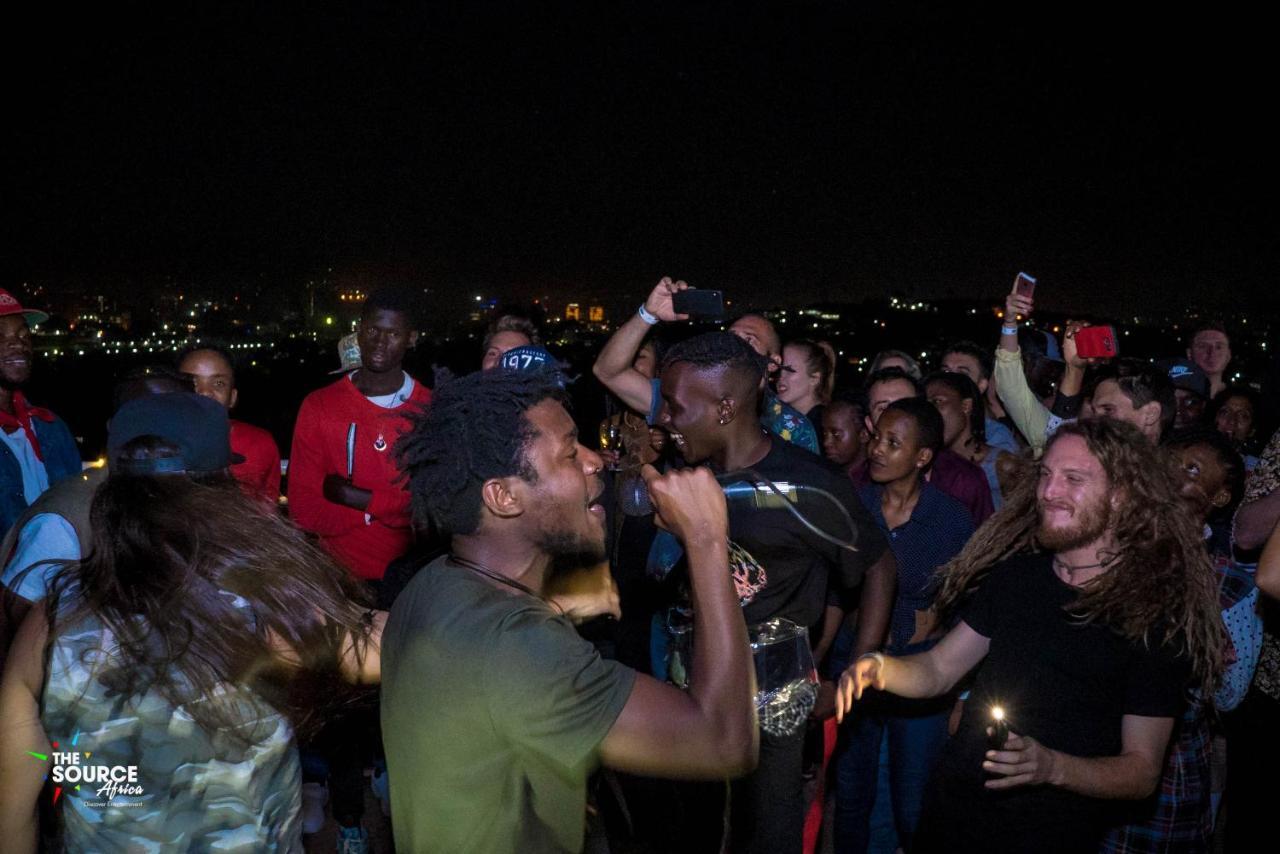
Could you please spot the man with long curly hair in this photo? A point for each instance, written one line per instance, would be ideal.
(1091, 605)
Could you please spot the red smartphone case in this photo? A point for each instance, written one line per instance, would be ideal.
(1097, 342)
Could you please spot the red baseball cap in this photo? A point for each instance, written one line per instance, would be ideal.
(9, 305)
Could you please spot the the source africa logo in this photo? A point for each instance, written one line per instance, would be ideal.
(73, 769)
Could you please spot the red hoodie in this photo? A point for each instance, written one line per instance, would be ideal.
(259, 474)
(320, 448)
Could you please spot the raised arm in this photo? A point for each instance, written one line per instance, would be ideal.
(928, 674)
(709, 732)
(614, 367)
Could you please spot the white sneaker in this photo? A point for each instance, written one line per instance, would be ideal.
(314, 797)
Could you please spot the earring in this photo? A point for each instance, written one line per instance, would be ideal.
(724, 420)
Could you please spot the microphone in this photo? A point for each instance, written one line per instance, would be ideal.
(633, 495)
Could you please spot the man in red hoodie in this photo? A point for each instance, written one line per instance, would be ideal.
(344, 484)
(258, 467)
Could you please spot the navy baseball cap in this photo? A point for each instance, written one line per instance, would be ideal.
(1186, 375)
(197, 425)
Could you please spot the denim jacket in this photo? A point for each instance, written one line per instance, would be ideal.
(61, 460)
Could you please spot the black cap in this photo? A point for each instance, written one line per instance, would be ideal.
(1186, 375)
(197, 425)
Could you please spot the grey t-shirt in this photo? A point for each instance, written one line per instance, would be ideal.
(493, 710)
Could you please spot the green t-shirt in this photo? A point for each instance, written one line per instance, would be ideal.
(493, 709)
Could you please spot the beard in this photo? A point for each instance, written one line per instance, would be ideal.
(1088, 524)
(572, 550)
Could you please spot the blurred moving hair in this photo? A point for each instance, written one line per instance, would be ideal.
(1160, 587)
(929, 426)
(475, 429)
(912, 366)
(820, 359)
(1142, 382)
(168, 555)
(512, 323)
(968, 390)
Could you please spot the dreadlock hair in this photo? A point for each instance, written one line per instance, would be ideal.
(968, 390)
(820, 359)
(392, 298)
(476, 428)
(1160, 587)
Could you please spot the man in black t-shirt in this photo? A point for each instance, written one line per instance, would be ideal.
(710, 394)
(1087, 636)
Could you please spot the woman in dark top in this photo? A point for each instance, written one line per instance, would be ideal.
(925, 529)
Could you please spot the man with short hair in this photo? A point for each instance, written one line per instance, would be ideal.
(950, 473)
(344, 485)
(37, 449)
(966, 357)
(256, 459)
(1210, 348)
(614, 367)
(1088, 607)
(507, 333)
(1137, 392)
(494, 710)
(710, 391)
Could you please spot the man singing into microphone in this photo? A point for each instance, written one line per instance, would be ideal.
(494, 710)
(711, 386)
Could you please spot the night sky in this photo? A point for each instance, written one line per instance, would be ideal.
(787, 151)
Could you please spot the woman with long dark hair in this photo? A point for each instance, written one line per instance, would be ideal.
(160, 687)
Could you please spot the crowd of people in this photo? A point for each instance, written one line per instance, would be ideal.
(1031, 588)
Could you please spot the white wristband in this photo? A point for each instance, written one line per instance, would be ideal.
(1009, 330)
(646, 316)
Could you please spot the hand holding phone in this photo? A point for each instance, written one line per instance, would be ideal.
(697, 303)
(1021, 299)
(1097, 342)
(659, 302)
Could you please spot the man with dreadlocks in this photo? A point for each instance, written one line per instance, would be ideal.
(495, 710)
(1090, 602)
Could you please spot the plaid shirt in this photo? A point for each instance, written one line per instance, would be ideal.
(1177, 818)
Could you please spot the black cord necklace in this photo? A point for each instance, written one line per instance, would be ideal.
(488, 573)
